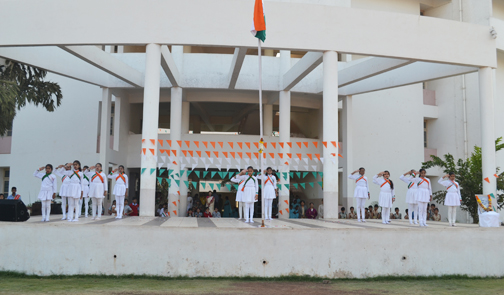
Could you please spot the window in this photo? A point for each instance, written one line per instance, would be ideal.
(7, 173)
(425, 133)
(6, 187)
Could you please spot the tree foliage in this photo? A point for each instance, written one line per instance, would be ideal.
(21, 84)
(469, 175)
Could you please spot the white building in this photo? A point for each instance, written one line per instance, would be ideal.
(393, 81)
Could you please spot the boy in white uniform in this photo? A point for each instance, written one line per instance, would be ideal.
(250, 192)
(120, 189)
(48, 189)
(361, 192)
(408, 178)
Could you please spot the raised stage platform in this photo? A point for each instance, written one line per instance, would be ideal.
(229, 247)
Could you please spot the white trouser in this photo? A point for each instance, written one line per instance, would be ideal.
(422, 212)
(78, 209)
(268, 207)
(452, 214)
(72, 203)
(361, 208)
(119, 205)
(46, 209)
(413, 208)
(86, 205)
(96, 206)
(241, 208)
(249, 211)
(385, 214)
(63, 205)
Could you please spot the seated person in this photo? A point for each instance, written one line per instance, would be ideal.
(370, 208)
(352, 214)
(190, 213)
(198, 213)
(207, 213)
(342, 214)
(367, 213)
(406, 216)
(397, 214)
(376, 214)
(436, 216)
(311, 213)
(217, 213)
(127, 208)
(112, 209)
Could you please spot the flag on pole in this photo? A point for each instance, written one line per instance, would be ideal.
(258, 29)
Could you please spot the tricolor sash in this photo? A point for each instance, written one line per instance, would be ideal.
(75, 173)
(47, 175)
(250, 177)
(269, 179)
(86, 177)
(410, 185)
(122, 177)
(362, 177)
(452, 185)
(386, 181)
(97, 175)
(423, 180)
(63, 178)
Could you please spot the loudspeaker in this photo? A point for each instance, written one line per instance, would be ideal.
(13, 210)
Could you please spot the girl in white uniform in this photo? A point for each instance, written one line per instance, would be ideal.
(269, 182)
(65, 186)
(120, 189)
(239, 193)
(97, 189)
(387, 196)
(249, 189)
(48, 189)
(74, 190)
(361, 192)
(85, 191)
(453, 196)
(409, 178)
(423, 196)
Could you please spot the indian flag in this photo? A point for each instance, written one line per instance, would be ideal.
(259, 22)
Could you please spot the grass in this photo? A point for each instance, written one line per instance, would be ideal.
(15, 283)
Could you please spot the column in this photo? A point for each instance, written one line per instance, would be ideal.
(183, 187)
(330, 133)
(150, 128)
(117, 122)
(486, 89)
(284, 134)
(268, 120)
(175, 135)
(105, 127)
(348, 167)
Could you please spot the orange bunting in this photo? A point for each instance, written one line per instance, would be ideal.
(174, 163)
(496, 176)
(240, 154)
(196, 143)
(315, 144)
(205, 143)
(289, 155)
(240, 144)
(249, 155)
(289, 144)
(299, 144)
(230, 144)
(232, 154)
(324, 143)
(286, 163)
(248, 144)
(167, 152)
(280, 212)
(333, 154)
(213, 144)
(487, 179)
(274, 145)
(216, 154)
(305, 143)
(318, 156)
(225, 154)
(339, 155)
(174, 203)
(256, 145)
(169, 142)
(191, 153)
(160, 142)
(221, 144)
(286, 202)
(310, 156)
(153, 141)
(272, 155)
(185, 153)
(280, 155)
(174, 152)
(143, 140)
(161, 151)
(299, 155)
(179, 143)
(333, 143)
(264, 155)
(281, 144)
(287, 209)
(208, 153)
(265, 145)
(175, 211)
(199, 153)
(178, 201)
(168, 214)
(152, 151)
(188, 143)
(256, 155)
(143, 150)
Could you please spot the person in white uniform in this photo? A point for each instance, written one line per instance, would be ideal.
(269, 182)
(423, 196)
(408, 178)
(387, 196)
(120, 189)
(97, 189)
(361, 193)
(48, 189)
(321, 209)
(74, 191)
(453, 196)
(239, 193)
(250, 192)
(65, 186)
(85, 192)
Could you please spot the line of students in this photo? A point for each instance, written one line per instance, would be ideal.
(78, 185)
(418, 196)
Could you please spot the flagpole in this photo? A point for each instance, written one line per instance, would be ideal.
(261, 129)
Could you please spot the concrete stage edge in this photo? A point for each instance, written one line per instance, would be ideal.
(47, 248)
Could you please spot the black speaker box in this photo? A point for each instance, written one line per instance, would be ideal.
(13, 210)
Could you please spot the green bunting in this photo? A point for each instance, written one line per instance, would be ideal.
(304, 174)
(320, 183)
(311, 184)
(186, 183)
(303, 185)
(298, 174)
(161, 171)
(197, 173)
(223, 176)
(321, 174)
(205, 173)
(152, 170)
(203, 185)
(211, 185)
(182, 173)
(143, 170)
(291, 174)
(212, 174)
(295, 185)
(160, 180)
(195, 184)
(177, 182)
(314, 174)
(286, 186)
(218, 186)
(228, 186)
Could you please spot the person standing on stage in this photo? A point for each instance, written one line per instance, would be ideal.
(453, 196)
(361, 192)
(239, 194)
(270, 188)
(120, 189)
(74, 191)
(423, 196)
(97, 189)
(85, 192)
(48, 189)
(65, 186)
(250, 191)
(409, 178)
(386, 197)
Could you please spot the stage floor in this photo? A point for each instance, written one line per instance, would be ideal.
(190, 222)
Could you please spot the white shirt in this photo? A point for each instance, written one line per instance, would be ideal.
(119, 180)
(65, 180)
(451, 186)
(361, 182)
(410, 180)
(251, 183)
(93, 176)
(384, 185)
(49, 183)
(424, 183)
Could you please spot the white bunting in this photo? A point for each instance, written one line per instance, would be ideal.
(160, 165)
(219, 166)
(333, 160)
(227, 167)
(211, 160)
(228, 160)
(220, 160)
(182, 166)
(305, 160)
(322, 160)
(195, 159)
(296, 160)
(163, 158)
(206, 166)
(193, 166)
(314, 167)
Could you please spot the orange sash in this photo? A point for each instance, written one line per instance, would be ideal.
(99, 175)
(75, 173)
(362, 177)
(269, 179)
(17, 197)
(386, 181)
(423, 180)
(122, 177)
(452, 185)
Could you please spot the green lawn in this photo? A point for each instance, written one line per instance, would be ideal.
(20, 284)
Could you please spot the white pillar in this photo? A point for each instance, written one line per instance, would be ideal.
(284, 136)
(268, 119)
(177, 52)
(117, 122)
(183, 188)
(150, 128)
(185, 117)
(486, 89)
(175, 134)
(347, 117)
(330, 132)
(105, 127)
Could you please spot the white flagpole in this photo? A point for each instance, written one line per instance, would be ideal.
(261, 129)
